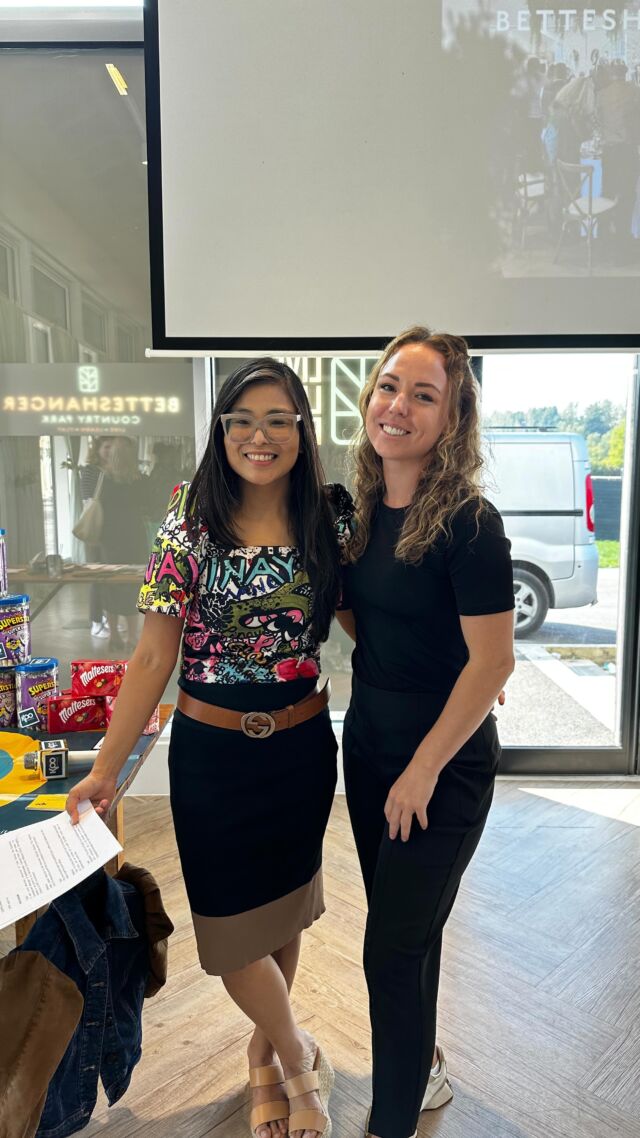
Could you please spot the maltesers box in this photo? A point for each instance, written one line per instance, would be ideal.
(97, 677)
(69, 712)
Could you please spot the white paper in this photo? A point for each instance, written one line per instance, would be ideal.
(42, 861)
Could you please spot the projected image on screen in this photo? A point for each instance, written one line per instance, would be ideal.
(565, 163)
(321, 176)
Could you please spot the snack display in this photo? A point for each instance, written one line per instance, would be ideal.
(69, 712)
(153, 726)
(97, 677)
(8, 716)
(15, 630)
(36, 682)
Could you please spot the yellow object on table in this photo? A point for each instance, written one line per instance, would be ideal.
(54, 803)
(17, 781)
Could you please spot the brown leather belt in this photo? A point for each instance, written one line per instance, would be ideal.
(255, 724)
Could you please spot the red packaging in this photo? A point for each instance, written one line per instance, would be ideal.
(152, 727)
(69, 712)
(97, 677)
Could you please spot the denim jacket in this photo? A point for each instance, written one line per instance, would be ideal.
(95, 934)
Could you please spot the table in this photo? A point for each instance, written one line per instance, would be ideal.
(15, 813)
(22, 576)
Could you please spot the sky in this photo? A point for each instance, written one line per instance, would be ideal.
(518, 382)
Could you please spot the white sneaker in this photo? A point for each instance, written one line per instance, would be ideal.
(438, 1090)
(99, 630)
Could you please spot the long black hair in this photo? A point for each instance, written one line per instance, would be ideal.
(214, 494)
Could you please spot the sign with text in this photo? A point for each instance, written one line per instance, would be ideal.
(89, 399)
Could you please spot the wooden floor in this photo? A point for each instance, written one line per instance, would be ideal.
(540, 993)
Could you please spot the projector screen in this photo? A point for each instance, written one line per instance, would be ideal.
(321, 175)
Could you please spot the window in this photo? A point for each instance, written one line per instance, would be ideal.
(555, 433)
(125, 344)
(41, 349)
(94, 325)
(7, 270)
(554, 442)
(82, 234)
(50, 298)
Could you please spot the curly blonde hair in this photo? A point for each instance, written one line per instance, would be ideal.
(451, 477)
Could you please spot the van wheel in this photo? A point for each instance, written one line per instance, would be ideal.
(532, 603)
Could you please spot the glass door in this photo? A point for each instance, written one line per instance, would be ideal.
(559, 435)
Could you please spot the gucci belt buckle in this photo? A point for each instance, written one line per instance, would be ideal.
(257, 724)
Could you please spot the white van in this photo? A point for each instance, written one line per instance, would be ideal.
(540, 482)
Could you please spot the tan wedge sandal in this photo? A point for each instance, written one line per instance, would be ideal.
(267, 1111)
(321, 1080)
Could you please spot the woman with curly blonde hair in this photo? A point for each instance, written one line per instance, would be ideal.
(428, 599)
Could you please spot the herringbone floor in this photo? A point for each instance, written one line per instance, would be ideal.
(540, 993)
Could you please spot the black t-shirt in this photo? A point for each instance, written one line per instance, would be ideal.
(407, 616)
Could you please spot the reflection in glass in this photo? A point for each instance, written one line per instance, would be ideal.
(74, 295)
(73, 244)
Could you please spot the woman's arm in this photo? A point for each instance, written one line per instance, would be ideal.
(89, 476)
(489, 640)
(144, 682)
(347, 621)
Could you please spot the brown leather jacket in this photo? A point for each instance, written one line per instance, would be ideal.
(41, 1008)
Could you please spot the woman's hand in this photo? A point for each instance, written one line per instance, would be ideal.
(99, 789)
(409, 795)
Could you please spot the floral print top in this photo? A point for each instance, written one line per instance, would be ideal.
(247, 611)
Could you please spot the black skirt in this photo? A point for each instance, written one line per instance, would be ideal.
(250, 817)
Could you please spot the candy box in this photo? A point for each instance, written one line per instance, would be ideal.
(152, 727)
(69, 712)
(97, 677)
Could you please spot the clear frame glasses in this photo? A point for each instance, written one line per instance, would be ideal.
(240, 427)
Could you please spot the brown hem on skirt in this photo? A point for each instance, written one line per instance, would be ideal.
(228, 943)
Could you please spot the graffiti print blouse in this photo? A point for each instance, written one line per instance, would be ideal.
(247, 611)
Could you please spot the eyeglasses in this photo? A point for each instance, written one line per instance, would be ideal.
(241, 427)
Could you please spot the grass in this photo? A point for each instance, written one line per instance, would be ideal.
(609, 554)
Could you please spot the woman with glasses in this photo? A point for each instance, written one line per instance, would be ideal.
(428, 598)
(245, 572)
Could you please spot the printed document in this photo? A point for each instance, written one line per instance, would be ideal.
(38, 863)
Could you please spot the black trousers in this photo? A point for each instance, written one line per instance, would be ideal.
(411, 886)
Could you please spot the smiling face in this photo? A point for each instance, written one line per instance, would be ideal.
(260, 461)
(409, 406)
(104, 450)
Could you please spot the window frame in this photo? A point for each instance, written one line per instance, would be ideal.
(46, 268)
(38, 325)
(12, 267)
